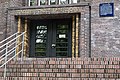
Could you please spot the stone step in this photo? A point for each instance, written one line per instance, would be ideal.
(49, 61)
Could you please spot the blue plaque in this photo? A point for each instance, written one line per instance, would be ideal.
(106, 9)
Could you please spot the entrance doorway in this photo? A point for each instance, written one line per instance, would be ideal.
(51, 38)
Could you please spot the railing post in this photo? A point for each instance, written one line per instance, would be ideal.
(5, 61)
(22, 46)
(15, 49)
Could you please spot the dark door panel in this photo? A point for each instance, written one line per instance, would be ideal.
(51, 38)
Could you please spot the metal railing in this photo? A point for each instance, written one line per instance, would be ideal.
(11, 48)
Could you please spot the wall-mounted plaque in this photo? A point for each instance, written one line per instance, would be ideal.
(106, 9)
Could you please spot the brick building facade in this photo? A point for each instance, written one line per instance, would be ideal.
(98, 35)
(81, 45)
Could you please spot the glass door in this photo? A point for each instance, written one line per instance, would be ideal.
(38, 38)
(61, 43)
(51, 38)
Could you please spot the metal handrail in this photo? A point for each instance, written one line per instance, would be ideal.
(11, 40)
(10, 52)
(11, 49)
(8, 37)
(10, 59)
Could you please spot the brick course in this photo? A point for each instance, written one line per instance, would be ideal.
(44, 69)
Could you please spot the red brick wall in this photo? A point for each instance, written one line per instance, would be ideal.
(64, 69)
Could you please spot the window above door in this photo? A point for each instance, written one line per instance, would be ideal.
(52, 2)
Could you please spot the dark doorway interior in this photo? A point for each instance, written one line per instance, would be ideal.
(50, 38)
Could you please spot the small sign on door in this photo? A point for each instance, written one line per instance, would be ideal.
(62, 36)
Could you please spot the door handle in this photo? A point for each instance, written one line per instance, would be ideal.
(53, 45)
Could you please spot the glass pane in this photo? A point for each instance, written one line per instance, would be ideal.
(32, 2)
(40, 40)
(42, 54)
(62, 27)
(42, 32)
(62, 40)
(41, 36)
(41, 27)
(63, 1)
(42, 2)
(61, 54)
(52, 2)
(75, 1)
(40, 45)
(40, 49)
(61, 49)
(62, 31)
(62, 44)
